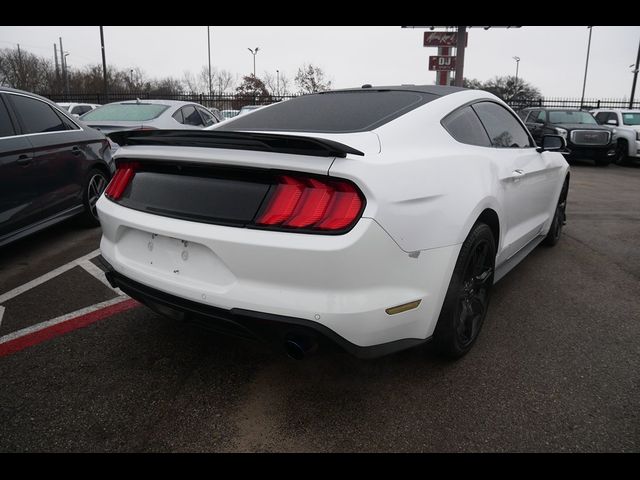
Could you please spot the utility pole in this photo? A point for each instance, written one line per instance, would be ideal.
(278, 82)
(209, 52)
(63, 62)
(635, 78)
(586, 66)
(20, 68)
(55, 55)
(460, 44)
(104, 61)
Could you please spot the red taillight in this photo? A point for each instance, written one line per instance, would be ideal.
(120, 180)
(314, 204)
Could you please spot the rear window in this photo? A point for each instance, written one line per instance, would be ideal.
(126, 112)
(335, 112)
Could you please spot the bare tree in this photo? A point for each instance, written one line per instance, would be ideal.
(224, 80)
(24, 70)
(311, 79)
(277, 84)
(190, 82)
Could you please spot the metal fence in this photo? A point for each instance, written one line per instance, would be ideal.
(219, 101)
(586, 104)
(235, 102)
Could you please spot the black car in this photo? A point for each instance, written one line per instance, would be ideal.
(51, 166)
(585, 138)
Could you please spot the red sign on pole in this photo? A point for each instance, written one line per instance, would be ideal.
(442, 62)
(443, 39)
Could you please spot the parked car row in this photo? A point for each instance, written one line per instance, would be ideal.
(604, 135)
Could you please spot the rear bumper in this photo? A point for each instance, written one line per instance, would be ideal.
(341, 283)
(269, 328)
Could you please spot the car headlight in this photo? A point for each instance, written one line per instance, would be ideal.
(562, 132)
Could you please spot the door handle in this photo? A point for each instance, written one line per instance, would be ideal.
(517, 174)
(24, 160)
(76, 150)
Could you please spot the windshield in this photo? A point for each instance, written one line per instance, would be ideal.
(125, 112)
(572, 117)
(631, 118)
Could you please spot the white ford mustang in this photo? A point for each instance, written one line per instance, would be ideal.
(373, 219)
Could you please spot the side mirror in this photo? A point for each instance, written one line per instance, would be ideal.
(552, 143)
(613, 121)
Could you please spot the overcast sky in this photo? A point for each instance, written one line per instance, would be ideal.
(552, 58)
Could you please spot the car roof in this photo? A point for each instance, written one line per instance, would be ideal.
(24, 92)
(348, 110)
(623, 110)
(173, 103)
(439, 90)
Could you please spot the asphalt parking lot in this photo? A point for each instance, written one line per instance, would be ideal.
(555, 368)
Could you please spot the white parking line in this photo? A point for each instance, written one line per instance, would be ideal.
(98, 274)
(45, 278)
(60, 319)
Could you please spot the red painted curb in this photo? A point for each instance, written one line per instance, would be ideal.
(74, 323)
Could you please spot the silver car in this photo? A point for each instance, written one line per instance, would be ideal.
(149, 114)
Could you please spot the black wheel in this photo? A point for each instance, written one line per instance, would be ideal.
(94, 185)
(559, 218)
(622, 152)
(467, 300)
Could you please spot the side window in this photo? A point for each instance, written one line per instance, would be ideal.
(178, 116)
(533, 114)
(37, 116)
(6, 126)
(208, 118)
(191, 116)
(68, 123)
(503, 128)
(464, 126)
(523, 115)
(82, 109)
(602, 117)
(542, 117)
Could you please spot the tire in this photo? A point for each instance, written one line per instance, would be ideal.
(95, 183)
(467, 300)
(622, 152)
(559, 218)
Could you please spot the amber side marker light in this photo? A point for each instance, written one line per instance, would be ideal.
(403, 308)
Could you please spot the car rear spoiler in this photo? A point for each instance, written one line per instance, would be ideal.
(266, 142)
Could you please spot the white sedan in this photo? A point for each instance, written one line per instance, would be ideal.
(373, 219)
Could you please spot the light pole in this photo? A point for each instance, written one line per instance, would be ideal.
(104, 62)
(515, 87)
(66, 72)
(278, 82)
(635, 77)
(209, 53)
(254, 53)
(586, 66)
(131, 77)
